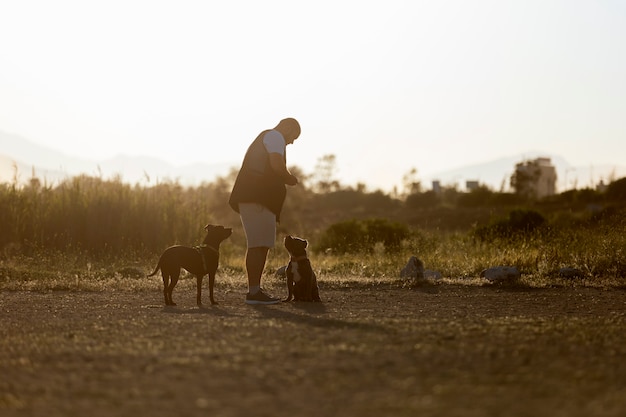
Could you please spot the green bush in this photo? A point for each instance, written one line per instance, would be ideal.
(353, 236)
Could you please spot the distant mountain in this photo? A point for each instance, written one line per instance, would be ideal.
(497, 173)
(22, 158)
(53, 167)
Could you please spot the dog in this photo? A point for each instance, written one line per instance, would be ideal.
(301, 280)
(199, 261)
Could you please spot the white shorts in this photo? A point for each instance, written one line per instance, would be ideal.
(259, 225)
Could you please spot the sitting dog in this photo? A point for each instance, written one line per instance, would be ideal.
(199, 261)
(301, 280)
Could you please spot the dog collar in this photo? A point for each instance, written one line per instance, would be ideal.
(208, 247)
(203, 256)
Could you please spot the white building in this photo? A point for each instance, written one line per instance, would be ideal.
(536, 178)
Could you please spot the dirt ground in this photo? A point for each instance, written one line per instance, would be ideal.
(369, 351)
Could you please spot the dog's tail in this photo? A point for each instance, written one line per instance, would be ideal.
(155, 269)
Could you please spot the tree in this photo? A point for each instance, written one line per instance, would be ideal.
(324, 174)
(410, 183)
(525, 177)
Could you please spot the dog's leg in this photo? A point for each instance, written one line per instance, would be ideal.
(166, 282)
(308, 289)
(299, 291)
(199, 290)
(211, 284)
(170, 289)
(289, 288)
(289, 274)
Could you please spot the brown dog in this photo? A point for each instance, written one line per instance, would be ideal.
(301, 280)
(199, 261)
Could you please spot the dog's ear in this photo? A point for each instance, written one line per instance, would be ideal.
(306, 243)
(208, 226)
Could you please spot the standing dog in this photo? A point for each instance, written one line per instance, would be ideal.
(199, 261)
(301, 280)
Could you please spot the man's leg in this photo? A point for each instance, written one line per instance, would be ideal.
(255, 263)
(259, 224)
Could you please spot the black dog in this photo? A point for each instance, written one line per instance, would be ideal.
(199, 261)
(301, 280)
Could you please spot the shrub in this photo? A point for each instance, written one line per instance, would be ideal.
(519, 223)
(616, 191)
(353, 236)
(425, 199)
(479, 197)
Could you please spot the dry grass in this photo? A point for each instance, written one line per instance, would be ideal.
(597, 251)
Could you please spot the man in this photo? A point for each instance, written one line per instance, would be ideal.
(258, 196)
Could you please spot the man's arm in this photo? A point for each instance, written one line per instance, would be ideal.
(277, 162)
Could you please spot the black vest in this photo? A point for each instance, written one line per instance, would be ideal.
(257, 182)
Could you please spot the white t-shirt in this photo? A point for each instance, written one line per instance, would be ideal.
(274, 142)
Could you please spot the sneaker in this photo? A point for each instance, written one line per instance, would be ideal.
(261, 298)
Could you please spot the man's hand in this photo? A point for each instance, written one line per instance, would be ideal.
(291, 180)
(277, 162)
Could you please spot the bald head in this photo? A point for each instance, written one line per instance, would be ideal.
(289, 128)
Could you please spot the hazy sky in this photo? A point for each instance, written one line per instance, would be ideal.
(384, 85)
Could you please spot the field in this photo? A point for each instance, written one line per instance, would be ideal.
(370, 349)
(85, 333)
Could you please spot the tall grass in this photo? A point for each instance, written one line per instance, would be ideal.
(107, 217)
(87, 233)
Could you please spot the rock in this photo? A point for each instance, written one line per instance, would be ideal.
(131, 272)
(413, 269)
(570, 273)
(429, 274)
(501, 274)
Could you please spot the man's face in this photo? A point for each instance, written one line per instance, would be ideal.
(290, 137)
